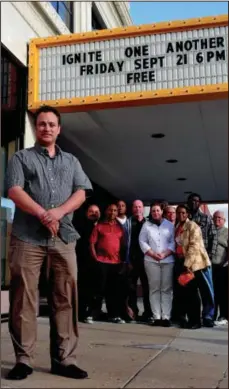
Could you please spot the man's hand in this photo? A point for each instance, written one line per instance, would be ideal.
(50, 219)
(53, 227)
(52, 215)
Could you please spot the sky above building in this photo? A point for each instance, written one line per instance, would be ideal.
(143, 12)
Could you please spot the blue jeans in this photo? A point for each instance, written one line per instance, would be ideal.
(205, 286)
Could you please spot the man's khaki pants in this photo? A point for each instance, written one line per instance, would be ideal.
(25, 261)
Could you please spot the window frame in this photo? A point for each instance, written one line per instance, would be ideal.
(97, 19)
(68, 5)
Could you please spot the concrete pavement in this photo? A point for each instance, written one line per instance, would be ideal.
(131, 356)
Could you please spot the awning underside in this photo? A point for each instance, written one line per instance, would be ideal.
(117, 151)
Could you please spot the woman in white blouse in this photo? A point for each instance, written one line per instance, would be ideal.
(156, 240)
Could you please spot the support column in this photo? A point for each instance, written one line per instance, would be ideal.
(82, 14)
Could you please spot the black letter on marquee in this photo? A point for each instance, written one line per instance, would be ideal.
(89, 69)
(82, 69)
(128, 52)
(170, 48)
(137, 64)
(210, 55)
(129, 77)
(152, 76)
(120, 65)
(220, 41)
(181, 59)
(220, 55)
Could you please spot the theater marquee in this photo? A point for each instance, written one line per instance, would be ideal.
(177, 60)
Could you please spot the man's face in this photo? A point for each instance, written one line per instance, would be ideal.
(171, 214)
(121, 208)
(219, 219)
(138, 208)
(194, 203)
(47, 128)
(93, 213)
(182, 215)
(112, 212)
(156, 212)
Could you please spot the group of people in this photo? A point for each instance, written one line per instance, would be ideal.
(115, 251)
(47, 186)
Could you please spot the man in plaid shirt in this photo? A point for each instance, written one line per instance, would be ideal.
(205, 222)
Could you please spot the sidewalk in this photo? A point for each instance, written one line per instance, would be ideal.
(131, 356)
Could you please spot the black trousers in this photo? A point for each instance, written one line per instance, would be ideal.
(220, 282)
(108, 286)
(187, 297)
(138, 271)
(200, 289)
(86, 287)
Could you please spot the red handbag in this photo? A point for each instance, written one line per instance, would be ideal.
(185, 278)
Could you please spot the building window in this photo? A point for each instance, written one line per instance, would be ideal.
(97, 21)
(8, 84)
(65, 11)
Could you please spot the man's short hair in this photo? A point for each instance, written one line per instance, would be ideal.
(91, 205)
(194, 195)
(46, 109)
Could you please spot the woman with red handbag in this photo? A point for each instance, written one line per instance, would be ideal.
(193, 272)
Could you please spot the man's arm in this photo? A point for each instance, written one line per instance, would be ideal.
(71, 205)
(15, 181)
(23, 201)
(93, 241)
(212, 238)
(123, 246)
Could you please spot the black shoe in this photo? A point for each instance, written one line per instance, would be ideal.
(193, 326)
(183, 323)
(70, 371)
(19, 372)
(129, 320)
(150, 320)
(156, 323)
(166, 323)
(208, 323)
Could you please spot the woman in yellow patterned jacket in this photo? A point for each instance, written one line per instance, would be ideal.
(191, 255)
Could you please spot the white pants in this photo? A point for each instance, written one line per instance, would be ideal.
(160, 279)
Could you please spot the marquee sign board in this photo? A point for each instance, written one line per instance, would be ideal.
(109, 66)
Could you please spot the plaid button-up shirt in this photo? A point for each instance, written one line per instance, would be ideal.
(48, 181)
(208, 229)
